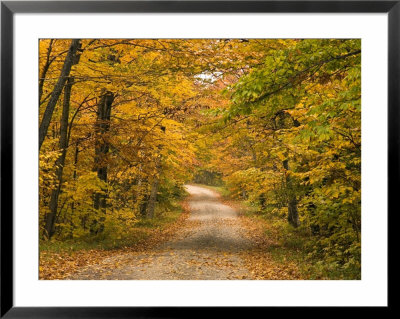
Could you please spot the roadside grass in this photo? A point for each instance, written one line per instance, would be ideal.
(287, 244)
(59, 259)
(222, 190)
(132, 236)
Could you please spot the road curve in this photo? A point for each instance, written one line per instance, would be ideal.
(207, 247)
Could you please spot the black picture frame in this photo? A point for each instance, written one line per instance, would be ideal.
(9, 8)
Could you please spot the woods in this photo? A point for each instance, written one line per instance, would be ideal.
(273, 124)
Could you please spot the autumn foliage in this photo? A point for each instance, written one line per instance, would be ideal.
(125, 123)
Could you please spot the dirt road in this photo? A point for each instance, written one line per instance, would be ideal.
(207, 247)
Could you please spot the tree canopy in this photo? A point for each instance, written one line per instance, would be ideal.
(125, 123)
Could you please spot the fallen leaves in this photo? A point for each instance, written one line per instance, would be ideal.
(258, 260)
(234, 249)
(61, 265)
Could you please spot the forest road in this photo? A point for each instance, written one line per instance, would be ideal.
(208, 246)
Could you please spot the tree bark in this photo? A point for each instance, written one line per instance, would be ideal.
(45, 69)
(144, 199)
(293, 213)
(63, 144)
(74, 174)
(102, 147)
(154, 190)
(70, 60)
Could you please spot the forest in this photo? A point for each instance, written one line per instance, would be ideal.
(240, 158)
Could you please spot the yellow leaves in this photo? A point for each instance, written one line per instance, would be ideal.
(64, 263)
(281, 155)
(165, 110)
(342, 193)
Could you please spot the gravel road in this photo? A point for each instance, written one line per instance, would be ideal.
(207, 247)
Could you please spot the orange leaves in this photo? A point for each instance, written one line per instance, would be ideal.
(259, 261)
(64, 264)
(61, 265)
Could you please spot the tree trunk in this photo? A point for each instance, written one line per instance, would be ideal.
(74, 174)
(45, 69)
(293, 213)
(70, 60)
(102, 147)
(154, 189)
(63, 144)
(144, 199)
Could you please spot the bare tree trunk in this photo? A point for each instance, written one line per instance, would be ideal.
(45, 69)
(74, 174)
(71, 59)
(154, 190)
(144, 199)
(293, 213)
(63, 144)
(102, 147)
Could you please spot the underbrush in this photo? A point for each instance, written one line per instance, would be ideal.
(298, 245)
(315, 258)
(113, 237)
(61, 258)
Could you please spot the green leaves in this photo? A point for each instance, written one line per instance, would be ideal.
(306, 98)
